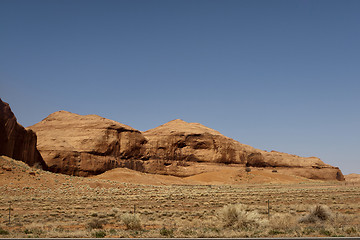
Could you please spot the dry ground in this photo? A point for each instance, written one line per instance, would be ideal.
(45, 204)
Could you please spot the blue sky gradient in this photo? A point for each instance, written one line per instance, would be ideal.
(277, 75)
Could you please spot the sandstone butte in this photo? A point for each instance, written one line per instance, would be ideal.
(89, 145)
(17, 142)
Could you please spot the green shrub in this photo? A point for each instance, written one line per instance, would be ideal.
(3, 232)
(99, 234)
(325, 232)
(166, 232)
(34, 231)
(350, 230)
(131, 221)
(275, 232)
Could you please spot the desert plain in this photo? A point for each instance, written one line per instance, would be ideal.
(85, 176)
(126, 203)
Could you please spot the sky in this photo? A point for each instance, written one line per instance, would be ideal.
(276, 75)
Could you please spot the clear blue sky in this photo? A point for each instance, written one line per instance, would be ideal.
(277, 75)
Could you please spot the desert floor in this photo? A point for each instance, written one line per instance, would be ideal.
(44, 204)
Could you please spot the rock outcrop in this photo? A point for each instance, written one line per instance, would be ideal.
(353, 178)
(86, 145)
(177, 146)
(17, 142)
(89, 145)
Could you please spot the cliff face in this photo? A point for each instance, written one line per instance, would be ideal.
(85, 145)
(88, 145)
(176, 144)
(181, 141)
(17, 142)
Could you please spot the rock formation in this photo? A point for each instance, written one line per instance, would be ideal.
(88, 145)
(353, 178)
(17, 142)
(178, 146)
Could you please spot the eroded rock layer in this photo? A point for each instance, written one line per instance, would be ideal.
(179, 145)
(88, 145)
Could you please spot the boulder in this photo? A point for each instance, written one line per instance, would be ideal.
(17, 142)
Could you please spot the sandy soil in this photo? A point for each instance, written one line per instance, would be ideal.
(215, 175)
(45, 204)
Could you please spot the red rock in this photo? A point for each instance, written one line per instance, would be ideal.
(177, 144)
(17, 142)
(86, 145)
(90, 145)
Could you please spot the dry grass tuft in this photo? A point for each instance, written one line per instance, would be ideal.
(282, 221)
(317, 214)
(236, 216)
(131, 221)
(96, 224)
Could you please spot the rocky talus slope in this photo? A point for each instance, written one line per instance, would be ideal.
(89, 145)
(17, 142)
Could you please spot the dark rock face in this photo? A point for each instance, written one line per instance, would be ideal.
(17, 142)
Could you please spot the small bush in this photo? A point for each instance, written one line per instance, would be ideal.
(325, 232)
(318, 213)
(282, 222)
(166, 232)
(96, 224)
(34, 231)
(350, 230)
(131, 221)
(3, 232)
(100, 234)
(275, 232)
(236, 216)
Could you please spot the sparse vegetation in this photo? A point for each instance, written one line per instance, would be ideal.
(318, 213)
(60, 206)
(96, 224)
(167, 232)
(4, 232)
(100, 234)
(131, 221)
(236, 216)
